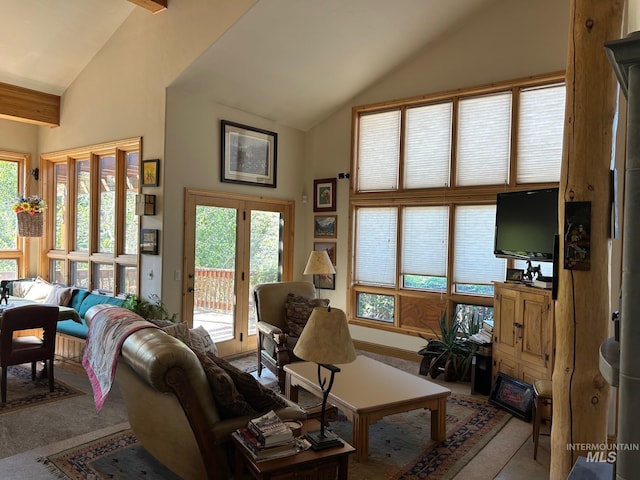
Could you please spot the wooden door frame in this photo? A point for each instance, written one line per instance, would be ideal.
(194, 197)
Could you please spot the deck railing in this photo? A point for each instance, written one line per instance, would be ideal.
(213, 289)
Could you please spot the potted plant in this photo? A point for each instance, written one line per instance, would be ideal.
(450, 352)
(153, 308)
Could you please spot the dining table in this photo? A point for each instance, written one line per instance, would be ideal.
(64, 312)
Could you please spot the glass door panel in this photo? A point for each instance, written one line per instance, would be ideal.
(232, 244)
(265, 257)
(214, 282)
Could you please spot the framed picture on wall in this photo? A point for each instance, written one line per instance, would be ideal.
(150, 173)
(324, 195)
(325, 226)
(149, 241)
(325, 281)
(330, 247)
(249, 155)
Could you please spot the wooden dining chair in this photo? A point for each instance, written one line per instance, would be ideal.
(15, 350)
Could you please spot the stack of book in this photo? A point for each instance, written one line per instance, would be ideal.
(484, 336)
(267, 437)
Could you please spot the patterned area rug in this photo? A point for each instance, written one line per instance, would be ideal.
(22, 392)
(400, 447)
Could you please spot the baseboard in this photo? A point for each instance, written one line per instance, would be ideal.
(386, 350)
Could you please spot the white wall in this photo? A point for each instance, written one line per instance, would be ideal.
(18, 137)
(193, 160)
(509, 39)
(121, 93)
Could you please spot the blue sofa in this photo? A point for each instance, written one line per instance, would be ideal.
(81, 301)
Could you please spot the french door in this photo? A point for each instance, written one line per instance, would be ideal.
(232, 243)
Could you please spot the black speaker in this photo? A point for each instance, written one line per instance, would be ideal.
(556, 267)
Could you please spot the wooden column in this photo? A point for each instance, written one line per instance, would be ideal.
(580, 393)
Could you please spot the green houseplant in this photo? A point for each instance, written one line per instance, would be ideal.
(153, 308)
(450, 352)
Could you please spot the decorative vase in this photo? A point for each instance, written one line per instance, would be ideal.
(30, 225)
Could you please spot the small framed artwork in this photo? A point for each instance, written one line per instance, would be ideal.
(514, 274)
(325, 281)
(150, 173)
(513, 395)
(324, 195)
(249, 155)
(330, 247)
(577, 240)
(325, 226)
(149, 241)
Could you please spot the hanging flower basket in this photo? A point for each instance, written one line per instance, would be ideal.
(30, 215)
(30, 225)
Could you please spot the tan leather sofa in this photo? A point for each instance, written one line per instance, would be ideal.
(275, 346)
(171, 408)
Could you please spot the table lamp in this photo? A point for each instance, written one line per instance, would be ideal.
(325, 340)
(319, 263)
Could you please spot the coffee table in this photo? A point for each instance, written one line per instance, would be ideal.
(367, 390)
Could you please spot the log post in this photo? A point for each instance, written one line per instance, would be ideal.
(580, 393)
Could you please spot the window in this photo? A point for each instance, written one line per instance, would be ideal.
(91, 193)
(427, 171)
(12, 179)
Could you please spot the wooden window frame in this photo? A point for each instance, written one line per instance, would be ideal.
(418, 312)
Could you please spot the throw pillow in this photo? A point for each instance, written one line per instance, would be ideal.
(298, 309)
(179, 331)
(199, 339)
(39, 291)
(160, 323)
(259, 397)
(59, 295)
(229, 400)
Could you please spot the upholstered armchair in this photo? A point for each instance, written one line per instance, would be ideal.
(277, 328)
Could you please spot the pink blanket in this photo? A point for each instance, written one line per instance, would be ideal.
(108, 330)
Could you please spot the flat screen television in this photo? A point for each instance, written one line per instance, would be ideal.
(526, 224)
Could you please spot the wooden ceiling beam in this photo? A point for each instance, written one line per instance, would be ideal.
(154, 6)
(30, 106)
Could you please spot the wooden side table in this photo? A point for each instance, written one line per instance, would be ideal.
(329, 464)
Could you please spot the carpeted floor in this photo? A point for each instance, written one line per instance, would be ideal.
(400, 446)
(23, 392)
(52, 428)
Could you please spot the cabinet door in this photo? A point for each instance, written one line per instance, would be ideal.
(533, 337)
(504, 364)
(530, 375)
(505, 311)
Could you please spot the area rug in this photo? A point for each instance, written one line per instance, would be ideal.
(22, 392)
(400, 447)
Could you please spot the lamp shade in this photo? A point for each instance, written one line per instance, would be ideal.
(319, 263)
(326, 338)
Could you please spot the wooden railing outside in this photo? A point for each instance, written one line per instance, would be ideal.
(213, 289)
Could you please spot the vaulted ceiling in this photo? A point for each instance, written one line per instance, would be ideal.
(292, 61)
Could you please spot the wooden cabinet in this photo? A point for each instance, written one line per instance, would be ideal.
(523, 332)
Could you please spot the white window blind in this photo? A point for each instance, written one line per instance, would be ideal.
(540, 135)
(376, 241)
(425, 233)
(474, 261)
(379, 151)
(484, 139)
(428, 146)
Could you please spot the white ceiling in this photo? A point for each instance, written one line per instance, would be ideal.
(291, 61)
